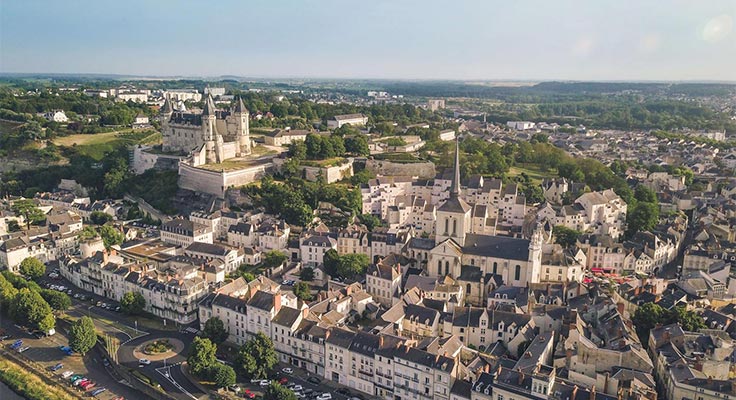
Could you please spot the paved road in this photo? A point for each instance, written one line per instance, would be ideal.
(7, 394)
(44, 352)
(176, 384)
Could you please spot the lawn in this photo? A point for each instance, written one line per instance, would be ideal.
(533, 172)
(98, 144)
(327, 162)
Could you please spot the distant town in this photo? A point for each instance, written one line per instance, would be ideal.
(174, 239)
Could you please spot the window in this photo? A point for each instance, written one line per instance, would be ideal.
(518, 272)
(495, 268)
(447, 226)
(454, 227)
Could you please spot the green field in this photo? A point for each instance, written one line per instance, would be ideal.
(97, 145)
(534, 173)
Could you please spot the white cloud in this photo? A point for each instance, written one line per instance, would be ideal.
(649, 43)
(583, 45)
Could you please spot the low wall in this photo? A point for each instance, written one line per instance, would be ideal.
(217, 182)
(390, 168)
(330, 174)
(147, 209)
(144, 160)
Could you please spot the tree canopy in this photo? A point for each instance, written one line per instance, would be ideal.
(302, 291)
(133, 303)
(274, 391)
(30, 309)
(82, 335)
(257, 357)
(214, 329)
(32, 267)
(201, 356)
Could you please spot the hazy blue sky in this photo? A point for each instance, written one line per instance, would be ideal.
(423, 39)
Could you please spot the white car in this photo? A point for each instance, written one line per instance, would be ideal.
(264, 382)
(67, 374)
(144, 361)
(296, 388)
(287, 371)
(324, 396)
(22, 349)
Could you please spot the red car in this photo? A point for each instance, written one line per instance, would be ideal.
(283, 381)
(248, 394)
(87, 385)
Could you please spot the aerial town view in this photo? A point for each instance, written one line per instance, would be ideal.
(368, 200)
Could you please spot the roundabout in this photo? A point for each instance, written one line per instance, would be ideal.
(159, 349)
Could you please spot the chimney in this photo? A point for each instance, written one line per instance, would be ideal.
(104, 257)
(380, 342)
(620, 307)
(521, 378)
(348, 290)
(487, 368)
(113, 252)
(574, 392)
(605, 384)
(327, 334)
(568, 356)
(437, 358)
(592, 393)
(305, 312)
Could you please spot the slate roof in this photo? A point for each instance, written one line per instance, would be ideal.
(262, 300)
(497, 247)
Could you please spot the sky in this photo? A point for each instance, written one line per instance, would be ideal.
(374, 39)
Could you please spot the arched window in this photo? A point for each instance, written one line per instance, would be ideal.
(467, 289)
(495, 268)
(454, 227)
(439, 267)
(447, 226)
(518, 272)
(447, 267)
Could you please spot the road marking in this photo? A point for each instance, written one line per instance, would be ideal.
(167, 375)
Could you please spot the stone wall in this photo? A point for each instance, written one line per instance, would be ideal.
(389, 168)
(144, 160)
(217, 182)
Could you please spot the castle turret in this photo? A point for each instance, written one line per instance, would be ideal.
(535, 255)
(242, 117)
(209, 130)
(164, 117)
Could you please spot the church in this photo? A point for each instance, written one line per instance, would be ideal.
(517, 261)
(211, 136)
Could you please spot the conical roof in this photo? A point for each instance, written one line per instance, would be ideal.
(240, 107)
(209, 106)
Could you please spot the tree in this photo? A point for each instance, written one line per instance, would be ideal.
(257, 357)
(644, 194)
(643, 217)
(133, 303)
(214, 329)
(30, 309)
(58, 301)
(331, 261)
(201, 356)
(689, 320)
(28, 209)
(111, 236)
(274, 391)
(273, 258)
(352, 265)
(302, 291)
(645, 318)
(222, 375)
(357, 145)
(32, 268)
(100, 218)
(82, 335)
(565, 236)
(370, 221)
(306, 274)
(298, 150)
(47, 323)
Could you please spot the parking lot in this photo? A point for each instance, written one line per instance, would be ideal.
(44, 353)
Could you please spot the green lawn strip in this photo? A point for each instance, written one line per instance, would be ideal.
(28, 385)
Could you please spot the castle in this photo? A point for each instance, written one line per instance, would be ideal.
(210, 137)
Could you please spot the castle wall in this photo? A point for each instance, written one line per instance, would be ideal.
(388, 168)
(182, 137)
(230, 150)
(144, 160)
(217, 182)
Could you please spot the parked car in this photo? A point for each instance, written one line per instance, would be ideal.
(314, 380)
(98, 391)
(287, 371)
(57, 367)
(80, 381)
(264, 382)
(66, 349)
(343, 391)
(283, 381)
(67, 374)
(24, 348)
(75, 378)
(324, 396)
(297, 388)
(248, 394)
(144, 361)
(234, 388)
(88, 385)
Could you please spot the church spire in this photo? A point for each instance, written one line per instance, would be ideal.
(167, 108)
(455, 189)
(240, 107)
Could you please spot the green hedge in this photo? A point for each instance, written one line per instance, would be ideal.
(28, 385)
